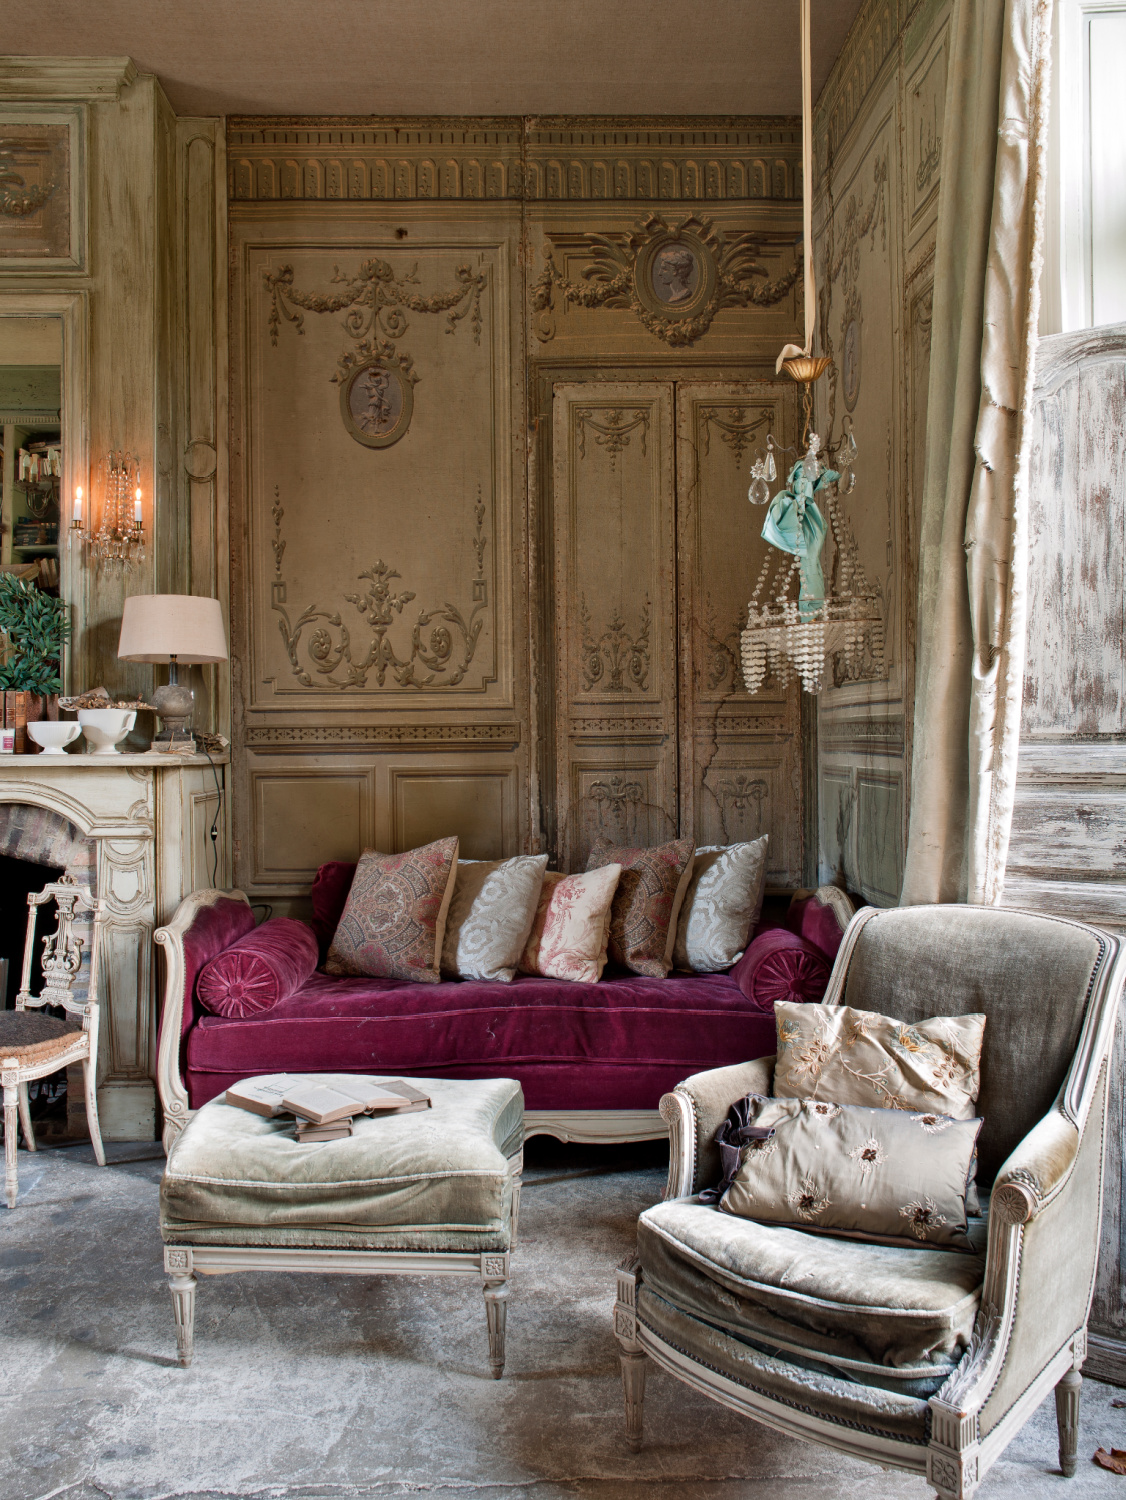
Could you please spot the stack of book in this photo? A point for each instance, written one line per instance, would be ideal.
(325, 1111)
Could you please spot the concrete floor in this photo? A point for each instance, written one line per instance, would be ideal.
(340, 1388)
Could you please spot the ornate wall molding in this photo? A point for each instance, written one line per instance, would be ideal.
(615, 656)
(871, 39)
(443, 651)
(673, 276)
(681, 160)
(350, 737)
(613, 431)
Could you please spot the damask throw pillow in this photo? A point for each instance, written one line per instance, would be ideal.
(647, 904)
(571, 926)
(884, 1174)
(491, 913)
(395, 916)
(847, 1056)
(721, 906)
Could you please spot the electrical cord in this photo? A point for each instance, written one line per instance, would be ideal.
(214, 830)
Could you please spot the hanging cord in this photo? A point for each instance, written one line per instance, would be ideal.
(213, 832)
(792, 351)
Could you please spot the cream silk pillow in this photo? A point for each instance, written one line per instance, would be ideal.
(491, 913)
(572, 925)
(721, 906)
(858, 1057)
(882, 1174)
(395, 916)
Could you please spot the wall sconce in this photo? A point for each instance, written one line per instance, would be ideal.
(121, 536)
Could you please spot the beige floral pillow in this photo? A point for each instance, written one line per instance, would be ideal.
(859, 1057)
(882, 1174)
(572, 926)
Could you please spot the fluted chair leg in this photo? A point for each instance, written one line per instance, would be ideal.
(634, 1369)
(1068, 1393)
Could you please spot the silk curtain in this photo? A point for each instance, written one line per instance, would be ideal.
(973, 542)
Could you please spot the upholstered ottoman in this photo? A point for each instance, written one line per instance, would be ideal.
(430, 1192)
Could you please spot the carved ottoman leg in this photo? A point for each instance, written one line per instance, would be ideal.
(89, 1079)
(1068, 1393)
(25, 1118)
(634, 1369)
(496, 1310)
(11, 1110)
(182, 1285)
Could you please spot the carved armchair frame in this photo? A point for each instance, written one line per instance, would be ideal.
(1014, 1358)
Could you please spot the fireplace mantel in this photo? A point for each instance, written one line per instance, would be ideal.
(150, 816)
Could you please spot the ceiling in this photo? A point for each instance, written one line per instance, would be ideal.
(448, 57)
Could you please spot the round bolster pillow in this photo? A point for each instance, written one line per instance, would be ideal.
(779, 965)
(261, 969)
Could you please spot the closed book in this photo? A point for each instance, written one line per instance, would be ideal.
(261, 1096)
(335, 1132)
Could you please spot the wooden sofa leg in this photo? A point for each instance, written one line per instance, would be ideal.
(634, 1369)
(496, 1311)
(11, 1112)
(1068, 1393)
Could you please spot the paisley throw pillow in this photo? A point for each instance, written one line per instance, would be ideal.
(395, 916)
(881, 1174)
(647, 905)
(721, 906)
(491, 912)
(852, 1056)
(572, 922)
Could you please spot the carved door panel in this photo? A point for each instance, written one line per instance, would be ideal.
(615, 598)
(740, 755)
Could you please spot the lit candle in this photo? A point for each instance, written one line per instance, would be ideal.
(78, 506)
(137, 507)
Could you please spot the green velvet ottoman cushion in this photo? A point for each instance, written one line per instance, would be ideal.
(886, 1316)
(435, 1179)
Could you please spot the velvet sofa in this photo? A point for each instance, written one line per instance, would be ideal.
(593, 1059)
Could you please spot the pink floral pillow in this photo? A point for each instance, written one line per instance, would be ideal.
(647, 905)
(571, 926)
(395, 917)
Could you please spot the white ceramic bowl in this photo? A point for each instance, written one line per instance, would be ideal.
(103, 727)
(53, 737)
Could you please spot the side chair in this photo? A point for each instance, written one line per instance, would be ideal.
(33, 1045)
(915, 1358)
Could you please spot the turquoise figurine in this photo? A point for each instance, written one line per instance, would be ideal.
(794, 524)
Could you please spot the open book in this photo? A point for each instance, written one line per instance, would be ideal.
(324, 1103)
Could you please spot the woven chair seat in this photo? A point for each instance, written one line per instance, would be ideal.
(30, 1038)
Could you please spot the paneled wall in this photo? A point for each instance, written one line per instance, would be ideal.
(878, 158)
(496, 387)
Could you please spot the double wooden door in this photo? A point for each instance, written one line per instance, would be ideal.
(657, 552)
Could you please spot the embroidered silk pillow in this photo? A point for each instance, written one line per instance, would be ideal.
(572, 922)
(721, 906)
(491, 912)
(395, 916)
(858, 1057)
(882, 1174)
(261, 969)
(647, 904)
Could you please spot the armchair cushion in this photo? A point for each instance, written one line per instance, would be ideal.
(889, 1316)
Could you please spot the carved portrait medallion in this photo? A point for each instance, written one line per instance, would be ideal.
(850, 361)
(376, 403)
(675, 275)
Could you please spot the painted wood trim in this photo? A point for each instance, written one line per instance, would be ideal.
(225, 1260)
(65, 77)
(596, 1127)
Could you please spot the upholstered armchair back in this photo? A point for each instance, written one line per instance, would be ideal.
(1032, 976)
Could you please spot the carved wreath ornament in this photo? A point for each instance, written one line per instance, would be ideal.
(375, 376)
(673, 277)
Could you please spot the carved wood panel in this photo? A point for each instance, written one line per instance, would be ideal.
(616, 712)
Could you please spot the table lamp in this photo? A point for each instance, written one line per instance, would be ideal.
(172, 628)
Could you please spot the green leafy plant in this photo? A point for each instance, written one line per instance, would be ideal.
(34, 625)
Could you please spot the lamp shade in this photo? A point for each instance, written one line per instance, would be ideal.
(158, 627)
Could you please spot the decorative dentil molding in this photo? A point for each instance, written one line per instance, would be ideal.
(511, 160)
(64, 78)
(619, 274)
(444, 655)
(871, 39)
(346, 737)
(615, 654)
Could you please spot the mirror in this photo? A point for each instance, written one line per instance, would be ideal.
(31, 448)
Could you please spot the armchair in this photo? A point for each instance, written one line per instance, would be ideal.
(918, 1359)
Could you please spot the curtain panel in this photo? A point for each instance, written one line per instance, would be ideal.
(973, 542)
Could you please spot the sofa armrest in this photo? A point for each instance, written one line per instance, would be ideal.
(696, 1109)
(205, 923)
(1037, 1169)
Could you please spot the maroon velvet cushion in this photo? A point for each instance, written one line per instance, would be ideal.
(821, 918)
(260, 970)
(330, 896)
(779, 965)
(618, 1044)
